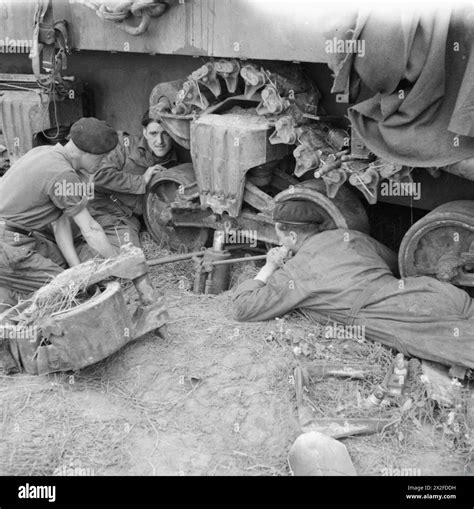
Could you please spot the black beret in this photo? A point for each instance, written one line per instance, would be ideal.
(147, 118)
(297, 212)
(93, 135)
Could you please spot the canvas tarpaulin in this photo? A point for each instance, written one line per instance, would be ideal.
(417, 71)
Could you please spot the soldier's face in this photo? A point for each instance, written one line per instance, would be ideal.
(157, 138)
(287, 239)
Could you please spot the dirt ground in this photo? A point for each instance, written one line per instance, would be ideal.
(216, 398)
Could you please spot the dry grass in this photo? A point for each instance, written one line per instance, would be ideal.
(170, 276)
(196, 399)
(62, 293)
(42, 432)
(420, 427)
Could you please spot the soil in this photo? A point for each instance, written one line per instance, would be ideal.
(216, 397)
(212, 400)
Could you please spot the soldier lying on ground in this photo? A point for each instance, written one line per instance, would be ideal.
(121, 180)
(42, 189)
(345, 276)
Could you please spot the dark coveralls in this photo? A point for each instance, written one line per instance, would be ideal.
(345, 276)
(119, 188)
(40, 187)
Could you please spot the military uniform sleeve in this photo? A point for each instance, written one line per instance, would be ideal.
(67, 192)
(111, 177)
(255, 300)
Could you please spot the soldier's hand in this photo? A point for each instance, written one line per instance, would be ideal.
(276, 256)
(147, 176)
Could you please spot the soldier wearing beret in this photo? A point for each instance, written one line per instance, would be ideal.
(346, 277)
(121, 180)
(40, 193)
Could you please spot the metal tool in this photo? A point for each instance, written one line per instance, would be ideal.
(334, 427)
(320, 370)
(188, 256)
(213, 268)
(209, 279)
(345, 427)
(212, 264)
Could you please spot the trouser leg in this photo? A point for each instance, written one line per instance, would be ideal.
(8, 299)
(123, 232)
(23, 270)
(119, 231)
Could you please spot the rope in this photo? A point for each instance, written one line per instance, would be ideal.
(104, 13)
(51, 97)
(118, 12)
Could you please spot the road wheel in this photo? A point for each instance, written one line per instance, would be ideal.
(163, 190)
(434, 245)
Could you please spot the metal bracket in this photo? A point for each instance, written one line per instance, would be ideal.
(257, 198)
(229, 70)
(334, 180)
(191, 95)
(206, 75)
(284, 131)
(366, 181)
(342, 98)
(272, 102)
(254, 80)
(358, 148)
(306, 159)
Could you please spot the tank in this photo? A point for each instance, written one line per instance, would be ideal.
(247, 100)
